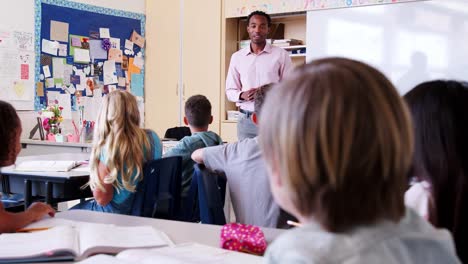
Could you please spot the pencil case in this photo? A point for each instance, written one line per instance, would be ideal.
(243, 238)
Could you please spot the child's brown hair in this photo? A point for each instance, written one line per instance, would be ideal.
(341, 138)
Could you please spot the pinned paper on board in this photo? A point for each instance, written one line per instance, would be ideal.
(67, 72)
(58, 31)
(46, 71)
(46, 59)
(75, 79)
(139, 62)
(110, 76)
(49, 82)
(137, 39)
(65, 102)
(40, 89)
(62, 50)
(94, 35)
(128, 44)
(81, 56)
(124, 63)
(104, 33)
(115, 43)
(132, 69)
(116, 55)
(76, 41)
(58, 65)
(137, 84)
(122, 82)
(85, 44)
(49, 47)
(96, 51)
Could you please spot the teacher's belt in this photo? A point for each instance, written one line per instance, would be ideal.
(245, 112)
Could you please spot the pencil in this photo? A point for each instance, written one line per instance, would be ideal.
(26, 230)
(292, 223)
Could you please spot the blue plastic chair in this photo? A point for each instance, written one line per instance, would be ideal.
(210, 188)
(158, 194)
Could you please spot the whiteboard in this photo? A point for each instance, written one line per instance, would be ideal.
(409, 42)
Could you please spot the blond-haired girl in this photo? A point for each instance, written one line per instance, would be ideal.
(339, 150)
(120, 148)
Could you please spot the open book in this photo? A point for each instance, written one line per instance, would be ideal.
(66, 242)
(46, 165)
(190, 253)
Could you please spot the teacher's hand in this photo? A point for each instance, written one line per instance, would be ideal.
(248, 95)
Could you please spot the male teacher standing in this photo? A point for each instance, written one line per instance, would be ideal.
(254, 66)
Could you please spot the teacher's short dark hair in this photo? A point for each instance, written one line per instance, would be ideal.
(10, 124)
(198, 111)
(259, 13)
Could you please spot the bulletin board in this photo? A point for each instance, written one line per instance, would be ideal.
(84, 52)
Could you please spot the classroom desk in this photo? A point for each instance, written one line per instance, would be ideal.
(54, 186)
(178, 232)
(32, 147)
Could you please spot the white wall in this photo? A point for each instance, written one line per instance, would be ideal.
(410, 42)
(19, 15)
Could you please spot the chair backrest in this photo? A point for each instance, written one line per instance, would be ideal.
(211, 191)
(177, 132)
(158, 194)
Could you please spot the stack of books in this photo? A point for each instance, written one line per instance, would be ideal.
(286, 42)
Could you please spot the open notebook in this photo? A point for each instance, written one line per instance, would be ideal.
(47, 165)
(67, 242)
(190, 253)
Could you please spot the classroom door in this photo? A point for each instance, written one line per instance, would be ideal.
(162, 106)
(201, 53)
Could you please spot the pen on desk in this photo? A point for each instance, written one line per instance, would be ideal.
(292, 223)
(27, 230)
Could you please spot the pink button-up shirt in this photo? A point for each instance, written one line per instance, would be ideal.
(249, 70)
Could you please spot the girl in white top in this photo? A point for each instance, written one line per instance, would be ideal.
(339, 157)
(440, 115)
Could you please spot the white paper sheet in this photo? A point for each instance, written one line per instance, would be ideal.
(115, 43)
(50, 47)
(104, 33)
(110, 75)
(46, 71)
(128, 44)
(139, 62)
(58, 67)
(64, 101)
(81, 55)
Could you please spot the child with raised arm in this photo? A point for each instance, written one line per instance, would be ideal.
(10, 133)
(198, 117)
(339, 159)
(120, 149)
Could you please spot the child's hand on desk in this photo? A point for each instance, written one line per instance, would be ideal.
(38, 210)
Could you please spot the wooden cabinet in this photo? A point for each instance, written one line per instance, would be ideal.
(234, 30)
(183, 59)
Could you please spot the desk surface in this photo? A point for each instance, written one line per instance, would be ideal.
(51, 143)
(77, 172)
(178, 232)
